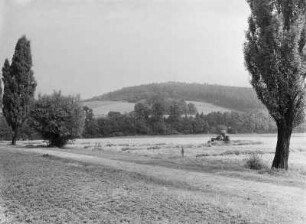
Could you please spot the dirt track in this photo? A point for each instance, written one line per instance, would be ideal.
(283, 204)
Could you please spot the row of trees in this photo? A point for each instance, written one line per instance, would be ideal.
(55, 118)
(51, 118)
(153, 120)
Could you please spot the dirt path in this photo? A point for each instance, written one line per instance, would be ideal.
(253, 198)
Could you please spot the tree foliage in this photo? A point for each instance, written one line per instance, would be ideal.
(192, 109)
(1, 90)
(19, 87)
(90, 125)
(116, 124)
(58, 118)
(141, 114)
(5, 130)
(275, 57)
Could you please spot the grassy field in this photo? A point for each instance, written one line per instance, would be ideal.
(207, 108)
(101, 108)
(146, 180)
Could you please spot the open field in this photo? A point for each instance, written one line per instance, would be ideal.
(101, 108)
(145, 180)
(207, 108)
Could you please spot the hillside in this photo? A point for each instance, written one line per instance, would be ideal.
(231, 98)
(101, 108)
(207, 108)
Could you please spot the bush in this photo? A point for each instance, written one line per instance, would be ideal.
(255, 162)
(57, 118)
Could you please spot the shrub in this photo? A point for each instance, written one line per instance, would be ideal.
(58, 118)
(255, 162)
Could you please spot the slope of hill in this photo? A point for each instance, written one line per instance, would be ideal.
(233, 98)
(101, 108)
(207, 108)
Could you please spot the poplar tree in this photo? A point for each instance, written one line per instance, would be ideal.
(275, 56)
(19, 87)
(0, 94)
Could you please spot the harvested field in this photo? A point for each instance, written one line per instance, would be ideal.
(151, 183)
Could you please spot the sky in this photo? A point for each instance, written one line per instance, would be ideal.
(90, 47)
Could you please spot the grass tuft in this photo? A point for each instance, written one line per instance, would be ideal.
(255, 162)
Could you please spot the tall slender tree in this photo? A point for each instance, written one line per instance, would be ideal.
(275, 56)
(1, 94)
(19, 87)
(5, 73)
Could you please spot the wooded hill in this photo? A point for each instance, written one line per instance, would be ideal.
(235, 98)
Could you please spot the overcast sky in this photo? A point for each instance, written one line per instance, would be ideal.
(91, 47)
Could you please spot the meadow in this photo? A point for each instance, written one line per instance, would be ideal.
(101, 108)
(147, 180)
(196, 147)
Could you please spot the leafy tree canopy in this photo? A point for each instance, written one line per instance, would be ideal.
(58, 118)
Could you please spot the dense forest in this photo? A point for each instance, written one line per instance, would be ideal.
(236, 98)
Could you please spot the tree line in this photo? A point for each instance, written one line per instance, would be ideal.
(159, 118)
(156, 120)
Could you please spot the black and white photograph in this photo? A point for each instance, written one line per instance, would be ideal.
(153, 111)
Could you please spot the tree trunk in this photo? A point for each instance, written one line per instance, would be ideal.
(15, 136)
(282, 147)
